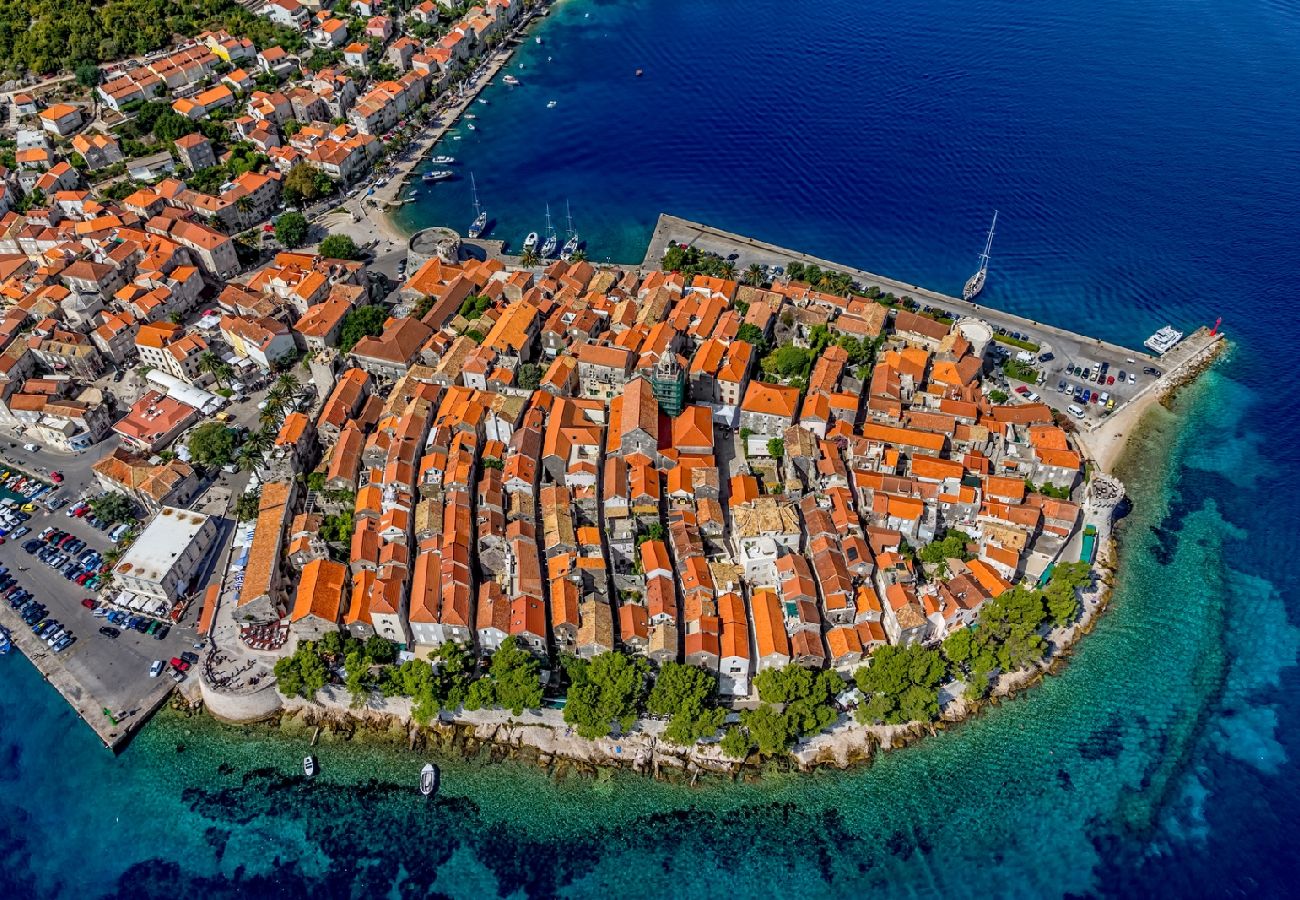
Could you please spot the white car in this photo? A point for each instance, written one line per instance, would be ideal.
(1132, 379)
(156, 669)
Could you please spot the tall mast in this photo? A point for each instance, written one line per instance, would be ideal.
(988, 244)
(473, 186)
(549, 229)
(569, 212)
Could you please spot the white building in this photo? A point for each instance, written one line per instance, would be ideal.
(166, 555)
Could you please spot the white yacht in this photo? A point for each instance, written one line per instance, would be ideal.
(1163, 340)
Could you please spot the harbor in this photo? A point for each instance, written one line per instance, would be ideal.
(110, 690)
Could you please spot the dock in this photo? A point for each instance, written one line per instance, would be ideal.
(88, 684)
(1099, 432)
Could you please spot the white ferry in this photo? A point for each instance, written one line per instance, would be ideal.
(1163, 340)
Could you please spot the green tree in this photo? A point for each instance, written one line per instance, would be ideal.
(339, 246)
(364, 321)
(113, 507)
(529, 258)
(516, 677)
(752, 334)
(754, 274)
(380, 651)
(902, 684)
(87, 75)
(358, 681)
(306, 182)
(212, 445)
(808, 695)
(737, 743)
(605, 691)
(770, 730)
(291, 229)
(246, 507)
(529, 376)
(775, 448)
(788, 361)
(686, 694)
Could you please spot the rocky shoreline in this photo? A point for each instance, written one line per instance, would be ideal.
(541, 738)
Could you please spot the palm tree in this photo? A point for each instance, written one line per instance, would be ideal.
(579, 255)
(289, 383)
(528, 258)
(727, 269)
(754, 274)
(210, 363)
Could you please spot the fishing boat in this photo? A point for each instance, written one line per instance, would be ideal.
(537, 39)
(480, 214)
(6, 643)
(443, 160)
(530, 242)
(550, 105)
(975, 283)
(481, 100)
(571, 245)
(429, 779)
(438, 175)
(552, 242)
(470, 116)
(471, 126)
(511, 80)
(309, 766)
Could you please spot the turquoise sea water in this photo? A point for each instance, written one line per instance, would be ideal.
(1142, 155)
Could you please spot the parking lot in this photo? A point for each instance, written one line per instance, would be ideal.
(1108, 378)
(94, 672)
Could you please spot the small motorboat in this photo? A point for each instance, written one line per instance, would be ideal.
(550, 105)
(430, 777)
(443, 160)
(481, 100)
(530, 242)
(309, 766)
(472, 127)
(511, 80)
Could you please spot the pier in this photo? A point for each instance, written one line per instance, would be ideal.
(1101, 435)
(91, 681)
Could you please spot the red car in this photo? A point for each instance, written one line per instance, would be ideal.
(56, 477)
(179, 664)
(89, 603)
(1110, 379)
(1022, 390)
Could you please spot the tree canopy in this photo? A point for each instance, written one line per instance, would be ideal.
(901, 684)
(605, 691)
(113, 507)
(291, 229)
(212, 444)
(306, 182)
(513, 680)
(339, 246)
(364, 321)
(686, 694)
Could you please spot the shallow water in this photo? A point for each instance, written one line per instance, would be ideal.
(1142, 155)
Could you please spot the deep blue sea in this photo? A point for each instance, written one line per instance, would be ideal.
(1143, 157)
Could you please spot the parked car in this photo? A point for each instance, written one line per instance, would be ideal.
(157, 668)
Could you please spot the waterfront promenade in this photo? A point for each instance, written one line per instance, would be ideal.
(386, 198)
(1103, 435)
(91, 682)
